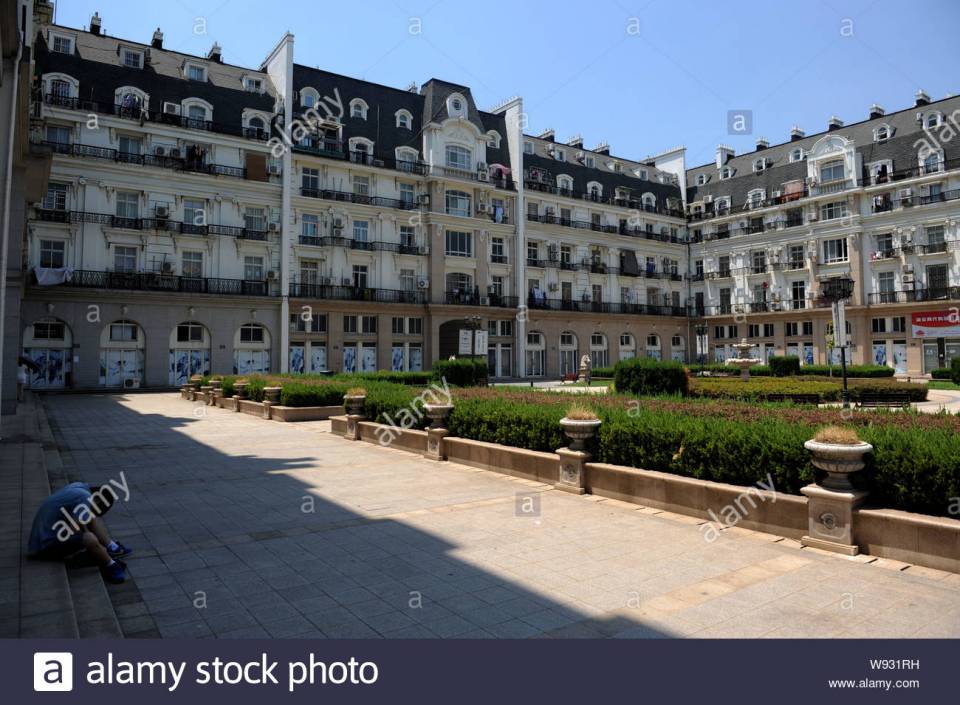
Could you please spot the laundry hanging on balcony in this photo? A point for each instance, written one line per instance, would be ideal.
(51, 276)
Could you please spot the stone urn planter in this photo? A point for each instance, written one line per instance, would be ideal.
(272, 394)
(353, 403)
(438, 414)
(579, 431)
(838, 461)
(194, 382)
(240, 390)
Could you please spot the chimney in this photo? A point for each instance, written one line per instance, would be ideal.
(95, 23)
(921, 98)
(876, 111)
(548, 134)
(834, 123)
(215, 53)
(576, 142)
(762, 143)
(796, 133)
(157, 41)
(603, 148)
(724, 154)
(43, 12)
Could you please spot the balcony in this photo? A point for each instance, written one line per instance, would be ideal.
(357, 293)
(140, 115)
(157, 281)
(498, 259)
(544, 304)
(360, 198)
(49, 215)
(466, 298)
(177, 163)
(365, 245)
(949, 293)
(535, 184)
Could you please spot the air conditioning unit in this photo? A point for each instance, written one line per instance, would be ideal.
(338, 224)
(273, 275)
(161, 211)
(131, 384)
(423, 283)
(274, 169)
(160, 151)
(424, 199)
(483, 175)
(175, 152)
(167, 268)
(171, 108)
(908, 269)
(273, 226)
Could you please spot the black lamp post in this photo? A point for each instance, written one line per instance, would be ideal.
(837, 291)
(701, 330)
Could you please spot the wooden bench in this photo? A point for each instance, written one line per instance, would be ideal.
(884, 400)
(795, 398)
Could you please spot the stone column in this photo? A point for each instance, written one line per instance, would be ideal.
(437, 432)
(207, 392)
(354, 407)
(240, 393)
(271, 397)
(572, 476)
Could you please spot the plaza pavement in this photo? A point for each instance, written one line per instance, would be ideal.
(244, 527)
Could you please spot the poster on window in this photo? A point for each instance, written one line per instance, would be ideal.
(349, 358)
(900, 358)
(880, 354)
(248, 362)
(793, 350)
(318, 358)
(719, 353)
(368, 359)
(296, 359)
(186, 363)
(120, 367)
(416, 358)
(677, 355)
(396, 358)
(936, 324)
(51, 368)
(808, 354)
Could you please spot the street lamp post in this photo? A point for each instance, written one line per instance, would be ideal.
(837, 291)
(702, 344)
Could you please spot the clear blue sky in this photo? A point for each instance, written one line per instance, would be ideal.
(666, 78)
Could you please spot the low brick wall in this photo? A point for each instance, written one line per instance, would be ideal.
(338, 424)
(912, 538)
(304, 413)
(760, 510)
(405, 439)
(529, 464)
(254, 408)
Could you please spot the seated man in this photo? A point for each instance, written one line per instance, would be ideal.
(68, 522)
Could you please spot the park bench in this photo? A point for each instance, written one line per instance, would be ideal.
(887, 400)
(795, 398)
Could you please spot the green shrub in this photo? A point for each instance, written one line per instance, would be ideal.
(827, 389)
(942, 373)
(417, 379)
(602, 372)
(296, 393)
(643, 375)
(461, 372)
(861, 371)
(785, 366)
(955, 370)
(718, 368)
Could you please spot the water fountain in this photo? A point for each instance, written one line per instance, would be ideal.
(742, 360)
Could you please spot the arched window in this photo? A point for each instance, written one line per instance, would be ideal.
(881, 133)
(599, 353)
(358, 108)
(251, 349)
(628, 346)
(122, 347)
(796, 155)
(456, 105)
(189, 352)
(725, 173)
(406, 158)
(493, 139)
(594, 191)
(361, 150)
(653, 346)
(129, 101)
(197, 112)
(536, 354)
(59, 88)
(649, 202)
(931, 163)
(458, 203)
(755, 198)
(309, 97)
(565, 184)
(459, 157)
(404, 119)
(932, 120)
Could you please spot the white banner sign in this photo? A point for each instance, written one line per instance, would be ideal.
(466, 338)
(480, 343)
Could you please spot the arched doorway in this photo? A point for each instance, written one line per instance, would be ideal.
(251, 349)
(599, 352)
(536, 354)
(569, 360)
(189, 352)
(48, 343)
(628, 346)
(678, 348)
(653, 346)
(122, 345)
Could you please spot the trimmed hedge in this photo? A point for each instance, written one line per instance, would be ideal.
(603, 372)
(827, 389)
(784, 366)
(942, 373)
(461, 372)
(955, 370)
(861, 371)
(643, 375)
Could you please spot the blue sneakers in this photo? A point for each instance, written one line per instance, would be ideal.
(113, 573)
(121, 551)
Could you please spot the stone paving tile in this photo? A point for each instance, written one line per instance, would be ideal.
(398, 546)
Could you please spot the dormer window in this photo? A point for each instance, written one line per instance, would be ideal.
(308, 97)
(61, 43)
(881, 133)
(560, 155)
(725, 173)
(832, 171)
(493, 139)
(528, 148)
(932, 120)
(254, 85)
(759, 165)
(796, 155)
(565, 183)
(590, 162)
(456, 106)
(755, 198)
(132, 59)
(196, 72)
(404, 119)
(643, 174)
(358, 109)
(701, 179)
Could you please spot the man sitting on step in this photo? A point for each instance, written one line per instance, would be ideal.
(68, 523)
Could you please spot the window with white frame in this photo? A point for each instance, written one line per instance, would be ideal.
(196, 72)
(559, 155)
(123, 331)
(835, 250)
(53, 253)
(407, 193)
(459, 243)
(124, 258)
(881, 133)
(832, 171)
(725, 173)
(253, 268)
(128, 204)
(408, 236)
(759, 165)
(458, 203)
(361, 185)
(361, 230)
(310, 179)
(932, 120)
(131, 58)
(493, 139)
(61, 43)
(404, 119)
(528, 148)
(251, 333)
(832, 211)
(253, 85)
(796, 155)
(191, 264)
(56, 198)
(255, 218)
(565, 183)
(701, 179)
(358, 108)
(130, 145)
(59, 88)
(308, 97)
(197, 113)
(931, 163)
(310, 225)
(194, 211)
(58, 134)
(458, 157)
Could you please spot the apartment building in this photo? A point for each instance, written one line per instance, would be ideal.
(202, 216)
(874, 201)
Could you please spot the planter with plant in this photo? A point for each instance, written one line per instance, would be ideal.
(354, 399)
(839, 452)
(580, 424)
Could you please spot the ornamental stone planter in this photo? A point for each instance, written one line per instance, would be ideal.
(572, 473)
(240, 390)
(437, 432)
(354, 406)
(832, 504)
(271, 397)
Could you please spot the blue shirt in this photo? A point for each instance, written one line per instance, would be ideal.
(58, 516)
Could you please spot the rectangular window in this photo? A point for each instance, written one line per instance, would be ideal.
(791, 329)
(397, 325)
(832, 211)
(254, 85)
(310, 179)
(408, 237)
(753, 330)
(458, 157)
(124, 259)
(798, 293)
(128, 204)
(408, 280)
(831, 172)
(496, 250)
(48, 330)
(255, 219)
(459, 244)
(251, 333)
(360, 276)
(407, 193)
(57, 134)
(361, 185)
(496, 286)
(808, 327)
(796, 257)
(123, 332)
(253, 268)
(886, 283)
(196, 73)
(361, 230)
(414, 326)
(62, 45)
(899, 324)
(369, 324)
(458, 203)
(309, 272)
(768, 331)
(56, 198)
(311, 225)
(130, 146)
(132, 59)
(759, 258)
(835, 250)
(194, 212)
(52, 253)
(349, 324)
(192, 264)
(879, 325)
(189, 333)
(719, 332)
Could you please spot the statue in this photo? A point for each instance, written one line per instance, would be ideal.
(584, 376)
